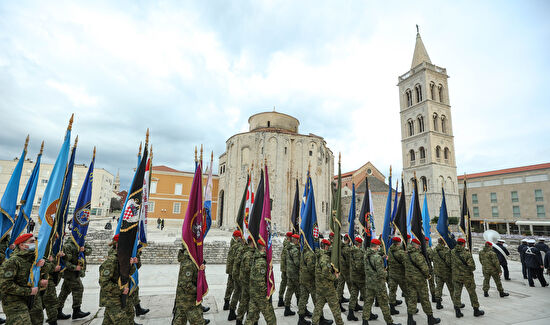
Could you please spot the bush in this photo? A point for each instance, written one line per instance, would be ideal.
(434, 220)
(453, 220)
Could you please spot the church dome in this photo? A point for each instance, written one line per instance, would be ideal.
(273, 120)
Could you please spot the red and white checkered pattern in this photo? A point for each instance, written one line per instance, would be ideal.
(316, 232)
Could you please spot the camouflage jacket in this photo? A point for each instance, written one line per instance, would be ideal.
(71, 259)
(109, 274)
(324, 273)
(441, 258)
(284, 252)
(375, 272)
(14, 275)
(462, 263)
(307, 266)
(3, 246)
(258, 276)
(489, 260)
(416, 267)
(246, 265)
(186, 291)
(396, 261)
(346, 258)
(429, 254)
(237, 258)
(293, 262)
(230, 256)
(356, 264)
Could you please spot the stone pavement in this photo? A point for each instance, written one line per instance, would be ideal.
(525, 305)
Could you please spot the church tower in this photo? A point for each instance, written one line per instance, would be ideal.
(427, 132)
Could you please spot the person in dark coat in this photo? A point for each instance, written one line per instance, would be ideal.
(521, 250)
(502, 259)
(541, 246)
(547, 263)
(533, 261)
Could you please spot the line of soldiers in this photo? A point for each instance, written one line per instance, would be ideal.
(532, 261)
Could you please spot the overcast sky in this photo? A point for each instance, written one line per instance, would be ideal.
(194, 71)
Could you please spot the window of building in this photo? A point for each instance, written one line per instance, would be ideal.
(495, 211)
(435, 121)
(177, 189)
(422, 152)
(411, 127)
(310, 153)
(421, 124)
(177, 208)
(39, 199)
(411, 153)
(151, 207)
(440, 93)
(285, 150)
(408, 94)
(432, 90)
(515, 210)
(443, 124)
(446, 153)
(268, 123)
(424, 183)
(514, 195)
(437, 152)
(44, 181)
(476, 212)
(153, 187)
(493, 197)
(538, 196)
(418, 89)
(474, 199)
(540, 211)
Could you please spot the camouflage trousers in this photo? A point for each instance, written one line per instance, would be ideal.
(20, 314)
(431, 283)
(244, 302)
(259, 305)
(418, 290)
(49, 302)
(356, 287)
(496, 277)
(229, 288)
(327, 295)
(236, 296)
(393, 282)
(439, 282)
(188, 313)
(378, 292)
(307, 288)
(71, 285)
(342, 280)
(282, 286)
(470, 285)
(293, 287)
(116, 315)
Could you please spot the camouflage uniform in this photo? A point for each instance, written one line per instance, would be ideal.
(344, 269)
(239, 250)
(186, 292)
(463, 275)
(258, 292)
(244, 280)
(110, 293)
(49, 299)
(325, 291)
(431, 282)
(3, 246)
(229, 269)
(284, 252)
(375, 275)
(357, 276)
(14, 274)
(307, 280)
(490, 267)
(71, 277)
(396, 272)
(417, 272)
(292, 272)
(441, 258)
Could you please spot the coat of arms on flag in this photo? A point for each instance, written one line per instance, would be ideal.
(316, 232)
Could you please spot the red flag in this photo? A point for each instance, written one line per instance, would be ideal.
(265, 235)
(192, 233)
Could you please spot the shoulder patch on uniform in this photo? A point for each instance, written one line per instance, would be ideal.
(188, 273)
(8, 274)
(263, 271)
(106, 272)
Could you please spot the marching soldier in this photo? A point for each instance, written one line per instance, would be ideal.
(431, 282)
(417, 272)
(325, 291)
(442, 270)
(49, 299)
(533, 261)
(491, 269)
(135, 295)
(502, 258)
(344, 272)
(259, 302)
(357, 278)
(239, 250)
(292, 273)
(3, 246)
(229, 268)
(244, 279)
(284, 252)
(521, 250)
(375, 275)
(463, 276)
(396, 274)
(307, 284)
(71, 278)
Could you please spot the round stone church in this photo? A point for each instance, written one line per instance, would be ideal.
(274, 136)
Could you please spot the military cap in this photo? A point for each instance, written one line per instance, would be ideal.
(346, 235)
(375, 242)
(396, 239)
(289, 234)
(488, 243)
(408, 236)
(250, 238)
(541, 239)
(115, 238)
(23, 238)
(416, 241)
(531, 241)
(461, 240)
(358, 239)
(524, 240)
(426, 238)
(325, 241)
(296, 236)
(237, 233)
(331, 234)
(261, 242)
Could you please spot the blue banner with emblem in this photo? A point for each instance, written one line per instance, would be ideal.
(81, 217)
(309, 230)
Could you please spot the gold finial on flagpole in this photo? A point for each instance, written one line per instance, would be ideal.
(195, 153)
(415, 174)
(139, 151)
(201, 154)
(75, 141)
(26, 142)
(146, 138)
(390, 172)
(425, 188)
(93, 156)
(70, 127)
(212, 155)
(42, 147)
(151, 152)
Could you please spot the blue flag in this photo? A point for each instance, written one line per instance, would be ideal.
(410, 214)
(48, 206)
(304, 197)
(386, 230)
(443, 223)
(426, 220)
(309, 230)
(351, 215)
(8, 204)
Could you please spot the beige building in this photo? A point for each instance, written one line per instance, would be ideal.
(427, 132)
(274, 136)
(102, 186)
(512, 201)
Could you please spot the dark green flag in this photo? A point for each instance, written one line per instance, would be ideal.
(335, 222)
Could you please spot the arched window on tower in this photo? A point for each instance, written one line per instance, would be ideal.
(418, 89)
(412, 156)
(423, 183)
(438, 152)
(411, 127)
(443, 124)
(409, 97)
(420, 123)
(440, 92)
(435, 121)
(432, 90)
(447, 154)
(422, 153)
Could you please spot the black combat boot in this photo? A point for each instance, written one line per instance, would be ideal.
(281, 302)
(324, 321)
(434, 299)
(358, 307)
(239, 322)
(308, 313)
(432, 320)
(77, 313)
(373, 316)
(49, 323)
(393, 311)
(504, 294)
(478, 312)
(365, 322)
(60, 315)
(204, 309)
(288, 311)
(410, 320)
(140, 311)
(439, 305)
(342, 309)
(303, 321)
(136, 323)
(2, 321)
(398, 302)
(462, 306)
(232, 315)
(206, 321)
(376, 303)
(351, 316)
(458, 313)
(226, 304)
(485, 293)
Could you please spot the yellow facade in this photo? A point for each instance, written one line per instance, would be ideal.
(170, 193)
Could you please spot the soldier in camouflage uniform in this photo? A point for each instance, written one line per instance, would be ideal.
(431, 282)
(282, 286)
(463, 276)
(239, 250)
(357, 270)
(244, 279)
(441, 258)
(71, 277)
(344, 270)
(307, 283)
(229, 269)
(3, 246)
(375, 275)
(325, 291)
(135, 294)
(417, 272)
(396, 274)
(292, 273)
(49, 299)
(491, 269)
(186, 308)
(259, 302)
(14, 274)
